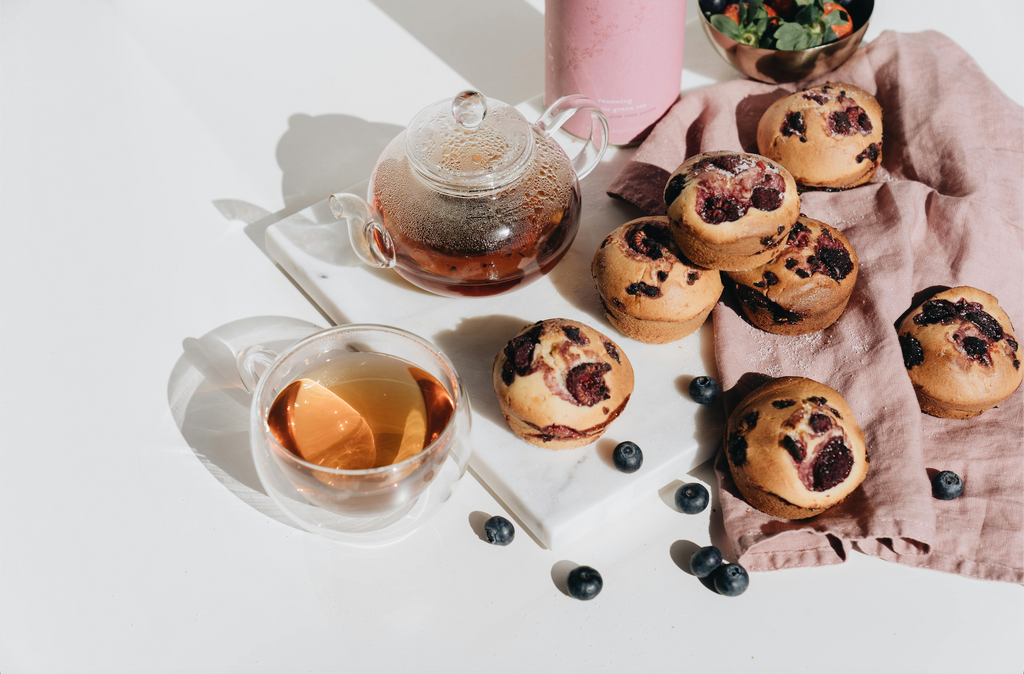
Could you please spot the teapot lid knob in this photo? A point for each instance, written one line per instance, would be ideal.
(469, 109)
(469, 143)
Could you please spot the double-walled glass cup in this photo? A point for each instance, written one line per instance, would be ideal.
(355, 502)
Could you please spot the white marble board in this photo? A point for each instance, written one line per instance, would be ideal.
(558, 495)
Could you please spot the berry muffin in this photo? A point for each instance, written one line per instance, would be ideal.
(794, 448)
(650, 291)
(730, 210)
(961, 353)
(806, 288)
(829, 136)
(560, 383)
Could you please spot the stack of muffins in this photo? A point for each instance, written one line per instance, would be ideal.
(739, 214)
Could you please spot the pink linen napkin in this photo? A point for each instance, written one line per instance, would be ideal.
(945, 209)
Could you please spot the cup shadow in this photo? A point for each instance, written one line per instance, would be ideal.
(211, 407)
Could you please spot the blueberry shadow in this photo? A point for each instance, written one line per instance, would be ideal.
(508, 514)
(716, 521)
(667, 494)
(560, 575)
(681, 551)
(477, 519)
(605, 447)
(472, 346)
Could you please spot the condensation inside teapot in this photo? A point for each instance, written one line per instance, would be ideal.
(478, 205)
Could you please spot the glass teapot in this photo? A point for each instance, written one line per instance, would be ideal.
(471, 199)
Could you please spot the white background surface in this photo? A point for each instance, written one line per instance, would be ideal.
(144, 148)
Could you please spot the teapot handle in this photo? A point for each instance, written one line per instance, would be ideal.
(370, 239)
(559, 112)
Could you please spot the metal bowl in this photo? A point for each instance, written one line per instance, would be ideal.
(776, 66)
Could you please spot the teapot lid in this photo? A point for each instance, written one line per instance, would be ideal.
(469, 143)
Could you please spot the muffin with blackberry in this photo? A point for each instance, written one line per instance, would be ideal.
(731, 210)
(806, 288)
(829, 136)
(649, 290)
(794, 448)
(961, 353)
(561, 383)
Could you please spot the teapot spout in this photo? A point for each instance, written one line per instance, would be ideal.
(370, 239)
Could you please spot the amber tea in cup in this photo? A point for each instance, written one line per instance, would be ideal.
(368, 422)
(360, 411)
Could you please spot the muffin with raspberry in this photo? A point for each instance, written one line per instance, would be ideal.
(560, 383)
(649, 290)
(731, 210)
(961, 353)
(794, 448)
(829, 136)
(806, 288)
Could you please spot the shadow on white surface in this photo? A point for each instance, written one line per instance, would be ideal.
(716, 524)
(472, 345)
(560, 575)
(318, 155)
(681, 551)
(211, 407)
(496, 46)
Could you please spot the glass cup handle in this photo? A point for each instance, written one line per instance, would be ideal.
(559, 113)
(370, 239)
(252, 362)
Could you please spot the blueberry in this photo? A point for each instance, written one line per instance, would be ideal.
(499, 531)
(947, 485)
(692, 498)
(584, 583)
(731, 580)
(705, 561)
(627, 457)
(713, 6)
(703, 390)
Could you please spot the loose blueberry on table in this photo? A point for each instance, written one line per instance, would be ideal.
(627, 457)
(731, 580)
(704, 562)
(703, 390)
(584, 583)
(947, 485)
(499, 531)
(692, 498)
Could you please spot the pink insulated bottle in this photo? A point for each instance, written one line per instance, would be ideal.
(627, 55)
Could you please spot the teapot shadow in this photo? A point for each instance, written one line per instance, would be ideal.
(211, 407)
(571, 278)
(319, 156)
